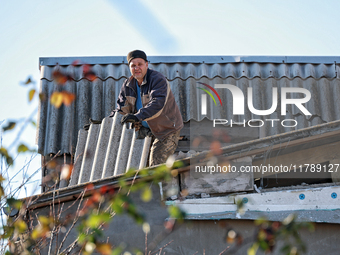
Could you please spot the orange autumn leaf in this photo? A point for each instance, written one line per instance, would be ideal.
(215, 147)
(87, 204)
(96, 197)
(31, 94)
(56, 99)
(86, 68)
(68, 97)
(104, 248)
(196, 142)
(51, 164)
(64, 97)
(168, 225)
(91, 76)
(88, 73)
(184, 193)
(103, 190)
(90, 186)
(76, 62)
(59, 77)
(221, 135)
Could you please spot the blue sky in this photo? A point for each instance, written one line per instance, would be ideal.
(37, 28)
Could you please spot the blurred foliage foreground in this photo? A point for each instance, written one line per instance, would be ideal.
(24, 232)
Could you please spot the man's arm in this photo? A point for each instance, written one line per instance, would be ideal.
(122, 106)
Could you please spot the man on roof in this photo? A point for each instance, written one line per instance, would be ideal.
(146, 100)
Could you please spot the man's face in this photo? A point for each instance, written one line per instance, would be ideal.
(138, 68)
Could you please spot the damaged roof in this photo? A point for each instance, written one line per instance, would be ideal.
(224, 206)
(58, 128)
(107, 149)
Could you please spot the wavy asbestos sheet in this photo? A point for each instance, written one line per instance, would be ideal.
(108, 149)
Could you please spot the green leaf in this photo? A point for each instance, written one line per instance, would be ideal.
(82, 238)
(22, 148)
(137, 251)
(139, 218)
(143, 172)
(130, 173)
(264, 245)
(286, 248)
(175, 212)
(31, 94)
(146, 195)
(8, 232)
(95, 220)
(35, 233)
(253, 249)
(44, 220)
(117, 251)
(9, 161)
(2, 192)
(106, 217)
(98, 232)
(20, 225)
(5, 154)
(33, 123)
(260, 220)
(135, 187)
(122, 183)
(3, 151)
(178, 164)
(9, 126)
(14, 203)
(117, 205)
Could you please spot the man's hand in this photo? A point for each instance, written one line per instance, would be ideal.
(131, 118)
(137, 126)
(144, 132)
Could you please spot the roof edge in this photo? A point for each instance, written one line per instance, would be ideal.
(51, 61)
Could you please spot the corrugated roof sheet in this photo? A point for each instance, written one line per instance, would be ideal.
(197, 70)
(58, 128)
(108, 149)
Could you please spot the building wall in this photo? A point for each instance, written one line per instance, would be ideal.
(190, 237)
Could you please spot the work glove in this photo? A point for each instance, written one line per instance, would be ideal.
(129, 118)
(87, 126)
(137, 125)
(144, 132)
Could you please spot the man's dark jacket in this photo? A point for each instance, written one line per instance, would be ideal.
(159, 110)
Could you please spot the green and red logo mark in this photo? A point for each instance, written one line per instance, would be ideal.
(204, 97)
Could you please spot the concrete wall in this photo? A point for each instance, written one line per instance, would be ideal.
(191, 237)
